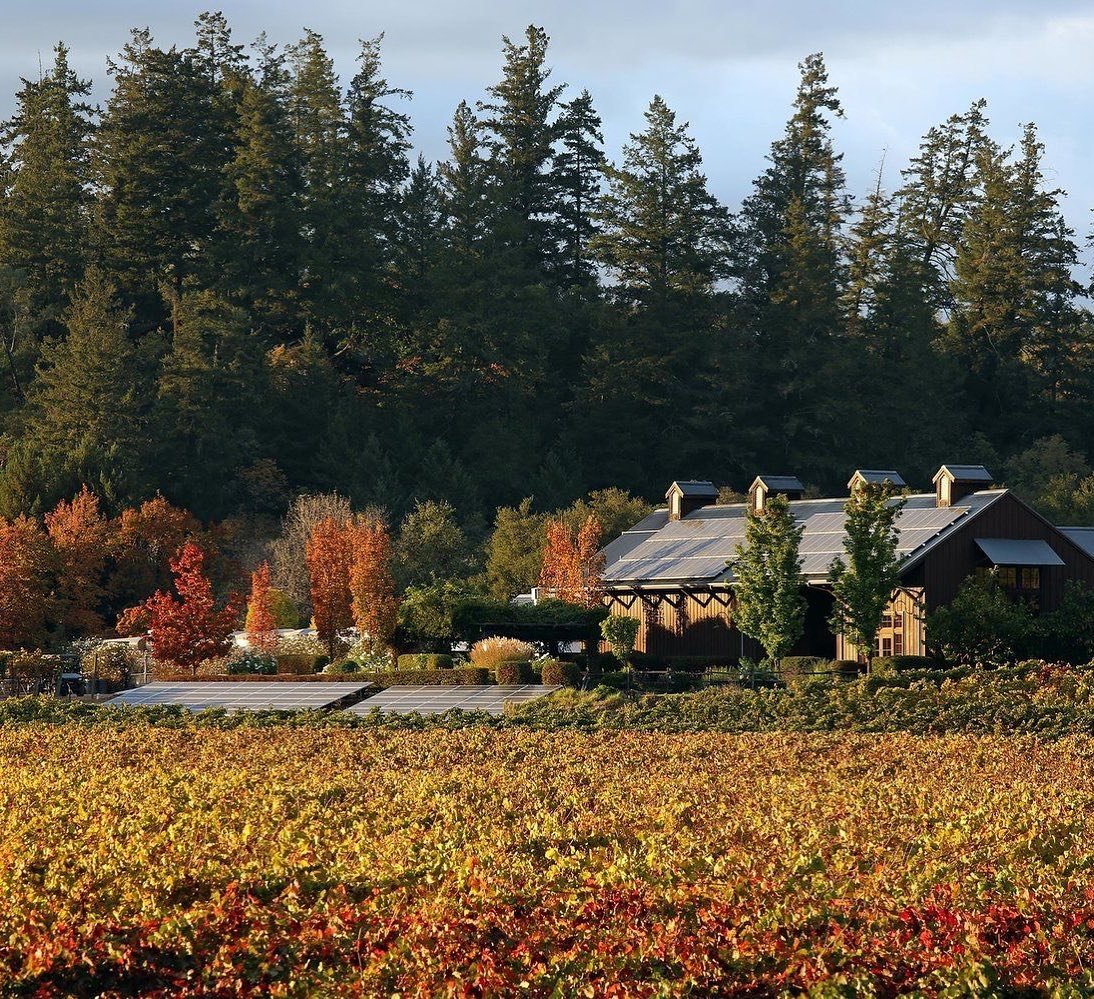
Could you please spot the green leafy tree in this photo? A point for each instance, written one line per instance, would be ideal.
(514, 551)
(981, 625)
(620, 633)
(431, 545)
(863, 585)
(767, 600)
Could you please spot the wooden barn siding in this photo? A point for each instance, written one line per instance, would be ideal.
(910, 604)
(691, 629)
(943, 571)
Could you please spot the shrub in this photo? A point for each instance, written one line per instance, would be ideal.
(470, 616)
(424, 660)
(620, 633)
(114, 663)
(252, 661)
(342, 667)
(372, 656)
(901, 664)
(795, 666)
(306, 645)
(511, 674)
(489, 653)
(560, 674)
(299, 663)
(457, 677)
(980, 625)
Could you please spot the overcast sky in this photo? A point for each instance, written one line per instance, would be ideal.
(727, 66)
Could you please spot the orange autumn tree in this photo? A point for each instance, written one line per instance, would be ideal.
(148, 538)
(328, 555)
(261, 626)
(83, 541)
(572, 563)
(186, 629)
(372, 584)
(25, 564)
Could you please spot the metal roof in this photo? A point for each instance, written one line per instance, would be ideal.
(693, 487)
(1082, 536)
(698, 547)
(780, 482)
(965, 473)
(1008, 551)
(876, 476)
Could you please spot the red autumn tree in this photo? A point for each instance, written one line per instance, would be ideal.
(25, 565)
(148, 538)
(572, 563)
(187, 629)
(82, 539)
(375, 605)
(261, 627)
(329, 558)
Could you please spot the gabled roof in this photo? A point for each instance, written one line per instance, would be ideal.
(1082, 536)
(965, 473)
(777, 483)
(697, 548)
(693, 487)
(877, 476)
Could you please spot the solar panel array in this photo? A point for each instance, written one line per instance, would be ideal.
(698, 547)
(242, 695)
(406, 700)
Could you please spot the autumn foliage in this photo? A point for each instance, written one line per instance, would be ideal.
(25, 561)
(261, 626)
(572, 564)
(375, 604)
(329, 558)
(187, 628)
(83, 540)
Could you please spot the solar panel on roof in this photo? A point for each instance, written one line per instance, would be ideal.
(241, 695)
(436, 700)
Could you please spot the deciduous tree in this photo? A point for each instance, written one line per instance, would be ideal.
(83, 540)
(25, 567)
(375, 605)
(328, 555)
(260, 624)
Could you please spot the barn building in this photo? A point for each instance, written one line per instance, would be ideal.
(672, 571)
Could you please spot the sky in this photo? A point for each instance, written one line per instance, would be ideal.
(729, 67)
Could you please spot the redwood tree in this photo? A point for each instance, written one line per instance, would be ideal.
(329, 558)
(24, 582)
(187, 629)
(375, 605)
(261, 626)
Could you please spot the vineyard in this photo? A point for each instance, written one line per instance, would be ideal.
(295, 861)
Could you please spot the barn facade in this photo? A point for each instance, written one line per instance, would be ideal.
(673, 570)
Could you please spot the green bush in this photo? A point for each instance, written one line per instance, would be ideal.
(249, 661)
(794, 666)
(901, 664)
(511, 674)
(423, 660)
(620, 633)
(343, 667)
(561, 674)
(469, 617)
(300, 663)
(457, 677)
(982, 624)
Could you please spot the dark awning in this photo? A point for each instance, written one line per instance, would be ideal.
(1005, 551)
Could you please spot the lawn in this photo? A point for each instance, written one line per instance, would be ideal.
(479, 861)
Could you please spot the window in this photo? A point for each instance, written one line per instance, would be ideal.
(886, 620)
(898, 644)
(886, 646)
(898, 620)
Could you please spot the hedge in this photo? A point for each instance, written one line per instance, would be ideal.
(300, 663)
(458, 677)
(900, 664)
(470, 616)
(423, 661)
(559, 674)
(511, 674)
(804, 665)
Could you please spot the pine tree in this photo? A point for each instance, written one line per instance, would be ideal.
(211, 391)
(88, 418)
(419, 231)
(577, 168)
(258, 249)
(521, 128)
(464, 184)
(44, 211)
(159, 161)
(663, 232)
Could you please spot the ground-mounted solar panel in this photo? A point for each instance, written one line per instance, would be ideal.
(433, 700)
(242, 695)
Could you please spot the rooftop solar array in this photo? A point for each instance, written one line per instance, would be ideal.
(242, 695)
(437, 700)
(699, 546)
